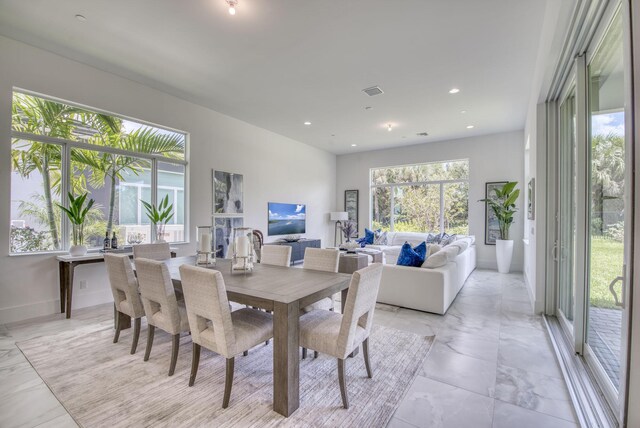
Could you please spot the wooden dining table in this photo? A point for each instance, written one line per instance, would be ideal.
(285, 291)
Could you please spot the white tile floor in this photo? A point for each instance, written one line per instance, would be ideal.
(491, 365)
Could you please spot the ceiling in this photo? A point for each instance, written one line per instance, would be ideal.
(279, 63)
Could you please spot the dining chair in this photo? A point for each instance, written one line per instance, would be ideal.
(162, 308)
(322, 259)
(126, 295)
(339, 335)
(326, 260)
(215, 327)
(258, 241)
(276, 255)
(158, 251)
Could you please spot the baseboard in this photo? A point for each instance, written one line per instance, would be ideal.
(50, 307)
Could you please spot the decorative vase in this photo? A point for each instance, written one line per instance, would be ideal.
(242, 260)
(504, 253)
(204, 246)
(77, 250)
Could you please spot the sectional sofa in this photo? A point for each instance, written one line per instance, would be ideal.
(429, 289)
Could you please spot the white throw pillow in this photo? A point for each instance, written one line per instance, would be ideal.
(436, 260)
(463, 244)
(451, 252)
(432, 249)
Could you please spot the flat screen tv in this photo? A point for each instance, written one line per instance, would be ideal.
(287, 219)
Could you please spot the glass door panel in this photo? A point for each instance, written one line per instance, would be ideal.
(567, 207)
(606, 252)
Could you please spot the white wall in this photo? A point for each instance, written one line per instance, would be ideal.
(275, 168)
(495, 157)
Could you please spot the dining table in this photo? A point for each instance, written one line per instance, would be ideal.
(284, 291)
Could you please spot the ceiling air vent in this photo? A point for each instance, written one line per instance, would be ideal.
(373, 91)
(422, 134)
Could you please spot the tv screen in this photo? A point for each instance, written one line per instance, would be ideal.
(286, 219)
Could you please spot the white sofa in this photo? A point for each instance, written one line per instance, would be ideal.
(422, 288)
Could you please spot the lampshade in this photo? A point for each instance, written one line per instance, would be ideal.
(339, 216)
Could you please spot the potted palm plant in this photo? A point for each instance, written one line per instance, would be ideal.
(77, 213)
(159, 215)
(503, 205)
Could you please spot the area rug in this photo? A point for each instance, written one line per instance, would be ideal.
(101, 384)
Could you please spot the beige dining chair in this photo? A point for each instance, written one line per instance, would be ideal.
(276, 255)
(215, 327)
(322, 259)
(126, 295)
(162, 308)
(158, 251)
(339, 335)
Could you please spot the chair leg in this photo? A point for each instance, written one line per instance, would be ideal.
(365, 353)
(266, 343)
(228, 382)
(136, 335)
(195, 361)
(343, 385)
(117, 335)
(174, 353)
(315, 354)
(150, 330)
(304, 353)
(245, 353)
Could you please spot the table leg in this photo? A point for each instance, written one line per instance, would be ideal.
(286, 358)
(69, 290)
(343, 302)
(62, 270)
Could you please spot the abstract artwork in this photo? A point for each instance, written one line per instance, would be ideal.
(223, 228)
(227, 193)
(351, 207)
(491, 227)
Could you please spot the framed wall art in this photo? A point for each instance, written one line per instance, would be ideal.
(491, 226)
(351, 207)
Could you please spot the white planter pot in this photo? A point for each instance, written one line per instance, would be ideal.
(77, 250)
(504, 253)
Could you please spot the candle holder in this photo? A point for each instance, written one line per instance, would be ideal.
(204, 245)
(242, 241)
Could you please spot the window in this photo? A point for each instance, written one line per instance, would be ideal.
(59, 148)
(430, 197)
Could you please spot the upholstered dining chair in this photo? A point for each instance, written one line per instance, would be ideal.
(162, 308)
(323, 259)
(258, 241)
(126, 296)
(326, 260)
(214, 326)
(157, 251)
(339, 335)
(276, 255)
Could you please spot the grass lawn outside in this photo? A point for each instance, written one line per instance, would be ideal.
(607, 257)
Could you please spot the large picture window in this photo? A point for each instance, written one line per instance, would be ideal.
(58, 148)
(429, 197)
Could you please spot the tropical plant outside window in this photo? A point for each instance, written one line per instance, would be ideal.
(429, 197)
(59, 148)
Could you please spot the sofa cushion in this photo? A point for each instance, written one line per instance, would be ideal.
(448, 239)
(412, 256)
(413, 238)
(436, 260)
(451, 252)
(462, 244)
(431, 238)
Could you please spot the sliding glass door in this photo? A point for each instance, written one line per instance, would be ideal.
(593, 213)
(608, 198)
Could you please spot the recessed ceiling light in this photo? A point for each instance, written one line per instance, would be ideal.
(333, 135)
(470, 127)
(232, 6)
(454, 90)
(368, 108)
(80, 18)
(463, 112)
(389, 127)
(353, 145)
(307, 123)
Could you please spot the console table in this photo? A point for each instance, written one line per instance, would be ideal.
(298, 247)
(66, 267)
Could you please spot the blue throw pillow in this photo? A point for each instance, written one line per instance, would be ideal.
(362, 242)
(369, 235)
(410, 257)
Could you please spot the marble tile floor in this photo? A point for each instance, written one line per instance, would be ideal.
(492, 364)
